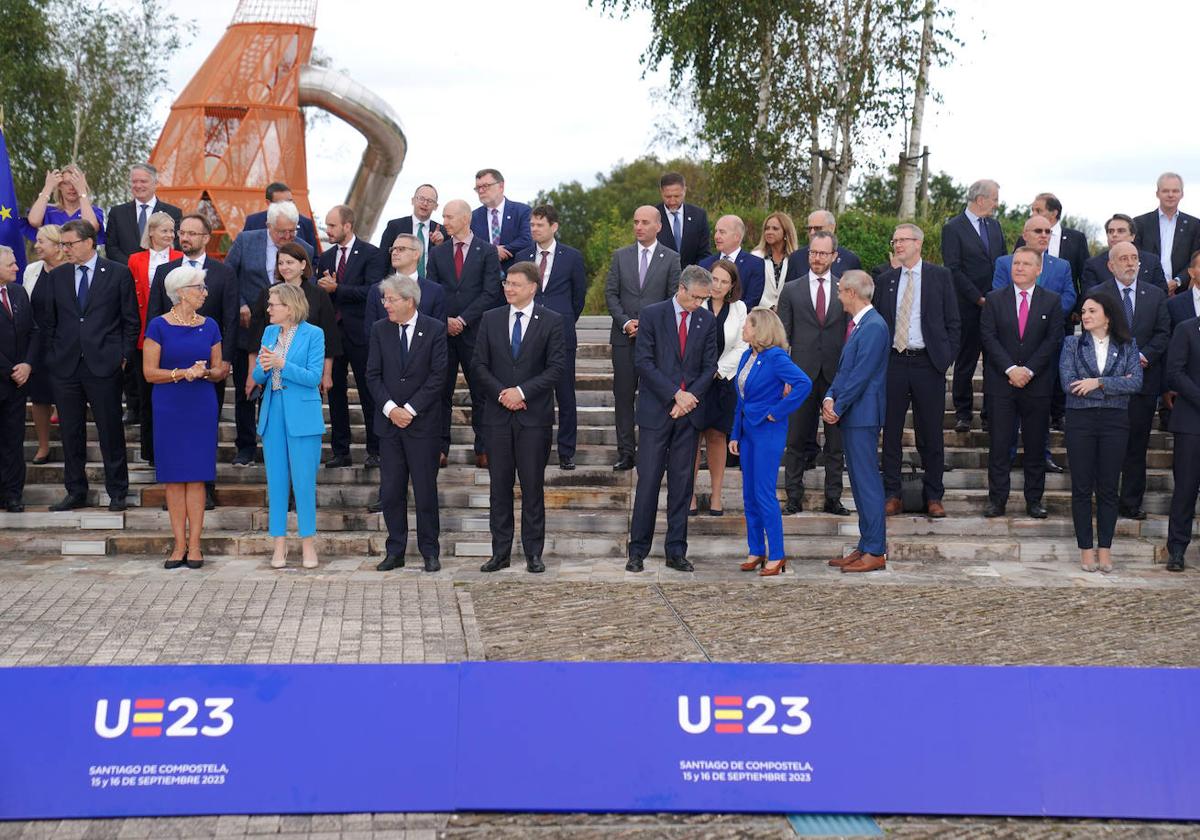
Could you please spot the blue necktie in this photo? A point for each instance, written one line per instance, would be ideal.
(403, 345)
(677, 229)
(983, 234)
(142, 220)
(82, 294)
(516, 336)
(1129, 306)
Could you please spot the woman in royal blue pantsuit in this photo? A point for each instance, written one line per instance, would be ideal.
(769, 387)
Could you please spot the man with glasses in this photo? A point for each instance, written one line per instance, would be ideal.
(221, 303)
(684, 226)
(420, 224)
(276, 193)
(1121, 228)
(821, 221)
(503, 223)
(92, 325)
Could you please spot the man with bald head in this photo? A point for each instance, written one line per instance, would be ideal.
(640, 274)
(468, 269)
(821, 221)
(728, 236)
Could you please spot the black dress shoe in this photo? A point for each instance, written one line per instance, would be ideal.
(835, 507)
(118, 505)
(495, 564)
(210, 498)
(1175, 562)
(175, 564)
(1131, 513)
(243, 459)
(1057, 424)
(793, 506)
(338, 461)
(567, 464)
(15, 506)
(70, 503)
(432, 564)
(634, 564)
(962, 426)
(534, 564)
(624, 464)
(681, 564)
(129, 418)
(1052, 467)
(392, 561)
(1037, 510)
(372, 460)
(375, 505)
(993, 510)
(810, 463)
(985, 424)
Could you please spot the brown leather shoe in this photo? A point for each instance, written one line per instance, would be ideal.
(936, 510)
(852, 557)
(443, 461)
(481, 460)
(893, 506)
(867, 563)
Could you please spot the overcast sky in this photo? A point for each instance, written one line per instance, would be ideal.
(1043, 96)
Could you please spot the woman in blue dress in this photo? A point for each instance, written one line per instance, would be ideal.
(73, 201)
(181, 359)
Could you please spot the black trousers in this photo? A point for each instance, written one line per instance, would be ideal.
(243, 407)
(1183, 498)
(670, 449)
(12, 445)
(802, 438)
(403, 458)
(1096, 441)
(1058, 400)
(73, 395)
(517, 451)
(460, 350)
(131, 383)
(568, 414)
(143, 406)
(1034, 414)
(912, 379)
(967, 361)
(354, 357)
(625, 386)
(1133, 470)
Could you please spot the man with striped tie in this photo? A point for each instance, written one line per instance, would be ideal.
(503, 223)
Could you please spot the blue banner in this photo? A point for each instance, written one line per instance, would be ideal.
(10, 214)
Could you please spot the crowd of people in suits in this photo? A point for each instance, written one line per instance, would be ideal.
(789, 353)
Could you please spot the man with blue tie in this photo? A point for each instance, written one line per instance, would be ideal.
(503, 223)
(420, 224)
(685, 226)
(855, 403)
(728, 236)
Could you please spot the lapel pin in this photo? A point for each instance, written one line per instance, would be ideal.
(420, 334)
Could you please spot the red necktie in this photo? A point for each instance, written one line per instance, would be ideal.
(849, 329)
(821, 301)
(682, 340)
(4, 297)
(458, 260)
(341, 266)
(542, 269)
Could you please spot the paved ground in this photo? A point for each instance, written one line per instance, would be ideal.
(116, 610)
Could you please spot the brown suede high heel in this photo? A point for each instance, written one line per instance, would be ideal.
(779, 569)
(752, 563)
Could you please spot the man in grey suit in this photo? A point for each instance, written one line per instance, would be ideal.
(643, 273)
(815, 323)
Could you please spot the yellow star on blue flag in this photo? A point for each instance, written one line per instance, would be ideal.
(5, 213)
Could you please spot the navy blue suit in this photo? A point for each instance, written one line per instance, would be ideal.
(20, 340)
(1187, 239)
(668, 445)
(798, 263)
(1183, 377)
(305, 229)
(433, 304)
(751, 271)
(1096, 271)
(693, 225)
(514, 229)
(1181, 307)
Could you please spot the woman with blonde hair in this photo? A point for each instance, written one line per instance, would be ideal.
(50, 256)
(776, 244)
(65, 197)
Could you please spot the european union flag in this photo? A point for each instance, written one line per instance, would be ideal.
(10, 218)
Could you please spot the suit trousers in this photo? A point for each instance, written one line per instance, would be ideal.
(1183, 497)
(1058, 400)
(760, 452)
(353, 358)
(568, 414)
(243, 406)
(460, 349)
(517, 451)
(1034, 415)
(131, 384)
(1133, 470)
(670, 449)
(292, 462)
(866, 484)
(967, 361)
(625, 386)
(73, 395)
(801, 434)
(1096, 442)
(12, 445)
(912, 379)
(401, 458)
(143, 406)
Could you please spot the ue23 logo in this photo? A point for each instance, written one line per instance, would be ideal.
(151, 715)
(730, 713)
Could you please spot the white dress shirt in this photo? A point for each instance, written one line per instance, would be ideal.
(537, 259)
(411, 323)
(187, 261)
(1196, 298)
(916, 338)
(347, 248)
(1017, 295)
(526, 319)
(1121, 287)
(1166, 240)
(91, 267)
(1055, 239)
(976, 222)
(499, 219)
(814, 285)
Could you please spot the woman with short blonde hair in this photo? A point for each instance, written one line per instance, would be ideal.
(764, 329)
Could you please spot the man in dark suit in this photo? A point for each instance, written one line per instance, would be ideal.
(1183, 377)
(855, 401)
(405, 257)
(728, 236)
(815, 324)
(406, 369)
(562, 288)
(1021, 328)
(277, 192)
(499, 221)
(20, 340)
(676, 358)
(91, 325)
(972, 241)
(821, 221)
(127, 222)
(346, 272)
(518, 363)
(640, 274)
(419, 224)
(1167, 232)
(919, 303)
(1146, 310)
(221, 304)
(1064, 243)
(468, 269)
(684, 226)
(1121, 228)
(1185, 305)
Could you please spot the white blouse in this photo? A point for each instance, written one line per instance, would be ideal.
(735, 346)
(1101, 347)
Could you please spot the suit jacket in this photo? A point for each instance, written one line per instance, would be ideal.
(941, 326)
(514, 229)
(1003, 347)
(248, 259)
(858, 389)
(751, 271)
(1073, 248)
(404, 224)
(305, 229)
(419, 382)
(122, 239)
(816, 348)
(696, 236)
(798, 266)
(1187, 239)
(100, 337)
(970, 261)
(433, 305)
(1055, 276)
(299, 399)
(20, 338)
(478, 290)
(364, 268)
(1122, 374)
(565, 289)
(626, 297)
(764, 395)
(1151, 329)
(1180, 307)
(535, 370)
(320, 314)
(221, 304)
(1096, 271)
(1183, 376)
(661, 368)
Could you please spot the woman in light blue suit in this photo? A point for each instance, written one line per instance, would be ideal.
(769, 387)
(289, 367)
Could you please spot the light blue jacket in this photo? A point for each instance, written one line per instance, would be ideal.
(299, 399)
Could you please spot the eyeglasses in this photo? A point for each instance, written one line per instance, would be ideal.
(396, 248)
(201, 286)
(290, 230)
(900, 239)
(1041, 230)
(271, 304)
(67, 243)
(420, 199)
(488, 186)
(699, 298)
(813, 253)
